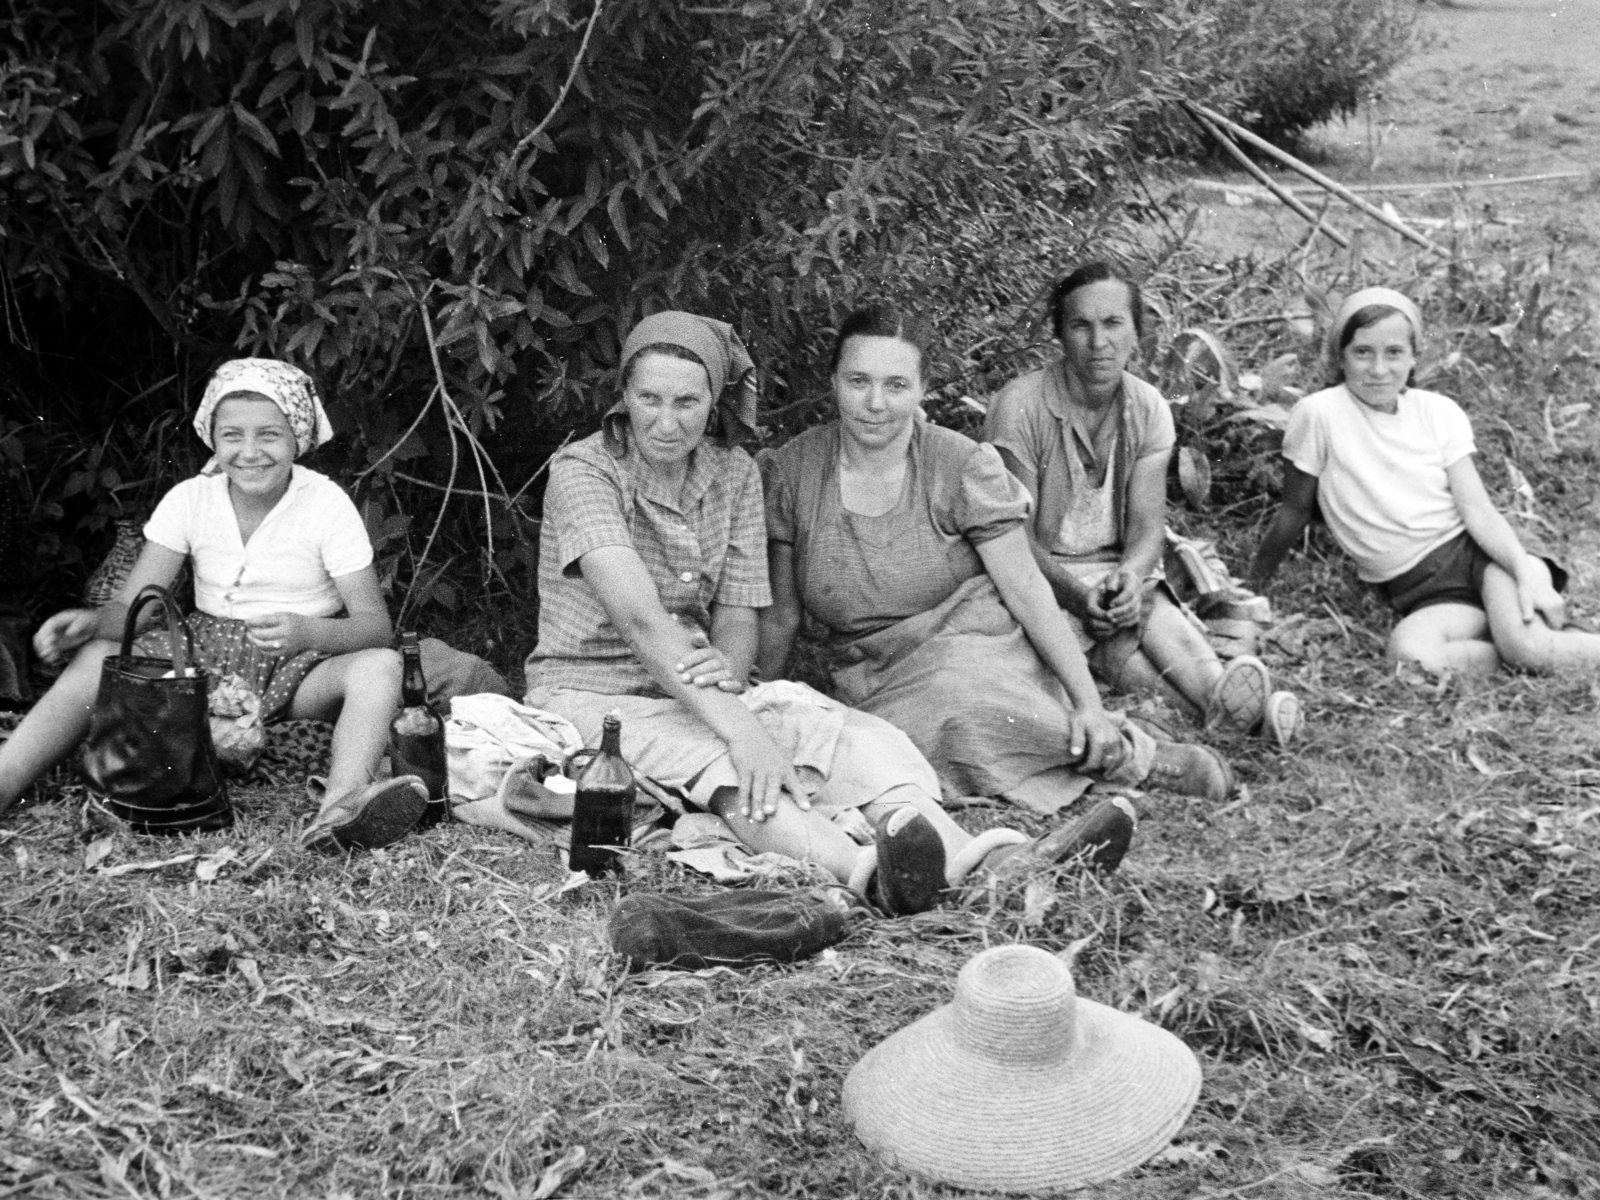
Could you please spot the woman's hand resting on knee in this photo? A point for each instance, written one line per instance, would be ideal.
(63, 633)
(765, 774)
(1095, 741)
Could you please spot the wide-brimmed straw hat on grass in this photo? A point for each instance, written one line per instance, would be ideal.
(1020, 1086)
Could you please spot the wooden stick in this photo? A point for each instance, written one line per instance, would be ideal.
(1267, 181)
(1438, 185)
(1317, 177)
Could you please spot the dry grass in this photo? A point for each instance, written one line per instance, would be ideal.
(1387, 956)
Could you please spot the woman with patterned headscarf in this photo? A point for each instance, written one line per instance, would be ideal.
(287, 599)
(1390, 466)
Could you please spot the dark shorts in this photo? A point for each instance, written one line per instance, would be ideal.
(1451, 574)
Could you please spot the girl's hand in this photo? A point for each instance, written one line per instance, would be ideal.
(1537, 596)
(1094, 741)
(63, 633)
(765, 773)
(704, 666)
(283, 634)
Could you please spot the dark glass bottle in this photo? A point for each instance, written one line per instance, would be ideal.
(602, 810)
(416, 735)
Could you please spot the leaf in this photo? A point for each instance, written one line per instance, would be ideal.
(1181, 1154)
(209, 867)
(558, 1172)
(1038, 899)
(99, 850)
(136, 978)
(1194, 475)
(162, 864)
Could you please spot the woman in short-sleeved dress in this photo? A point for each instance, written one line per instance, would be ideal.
(904, 541)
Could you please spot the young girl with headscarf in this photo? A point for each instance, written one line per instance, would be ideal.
(652, 569)
(1390, 466)
(279, 553)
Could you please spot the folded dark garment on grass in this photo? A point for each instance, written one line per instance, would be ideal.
(729, 929)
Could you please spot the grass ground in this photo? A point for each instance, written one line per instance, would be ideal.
(1386, 951)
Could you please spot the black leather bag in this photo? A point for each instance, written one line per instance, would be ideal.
(149, 756)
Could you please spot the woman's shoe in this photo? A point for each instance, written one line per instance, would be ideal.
(1239, 697)
(1284, 719)
(377, 815)
(910, 875)
(1099, 840)
(1191, 770)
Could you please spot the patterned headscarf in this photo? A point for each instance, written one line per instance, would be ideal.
(1366, 298)
(727, 363)
(285, 385)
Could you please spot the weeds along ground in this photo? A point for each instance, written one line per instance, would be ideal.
(1386, 950)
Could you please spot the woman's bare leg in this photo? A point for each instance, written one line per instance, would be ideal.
(792, 831)
(1533, 645)
(1446, 637)
(54, 726)
(360, 694)
(1181, 654)
(1121, 664)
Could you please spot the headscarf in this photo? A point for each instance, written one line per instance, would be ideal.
(728, 366)
(1366, 298)
(284, 384)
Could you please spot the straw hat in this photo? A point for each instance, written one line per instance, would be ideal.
(1019, 1086)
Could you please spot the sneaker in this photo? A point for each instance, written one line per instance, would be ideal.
(1099, 840)
(1239, 697)
(1191, 770)
(910, 875)
(1284, 718)
(377, 815)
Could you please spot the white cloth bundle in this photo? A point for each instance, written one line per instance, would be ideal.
(505, 764)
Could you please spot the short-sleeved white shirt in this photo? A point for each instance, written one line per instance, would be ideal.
(313, 535)
(1381, 480)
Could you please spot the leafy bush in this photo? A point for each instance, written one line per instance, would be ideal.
(1310, 62)
(448, 213)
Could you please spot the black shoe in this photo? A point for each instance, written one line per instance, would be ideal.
(1099, 840)
(910, 875)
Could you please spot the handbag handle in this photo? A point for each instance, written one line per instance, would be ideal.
(154, 592)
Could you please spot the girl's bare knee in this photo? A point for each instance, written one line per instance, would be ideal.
(379, 665)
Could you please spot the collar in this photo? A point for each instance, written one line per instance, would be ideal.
(703, 472)
(1058, 399)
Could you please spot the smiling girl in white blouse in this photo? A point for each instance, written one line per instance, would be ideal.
(286, 597)
(1391, 468)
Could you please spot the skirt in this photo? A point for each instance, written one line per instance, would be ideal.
(223, 647)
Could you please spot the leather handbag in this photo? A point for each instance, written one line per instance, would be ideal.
(149, 756)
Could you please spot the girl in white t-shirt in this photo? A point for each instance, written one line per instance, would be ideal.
(279, 551)
(1391, 468)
